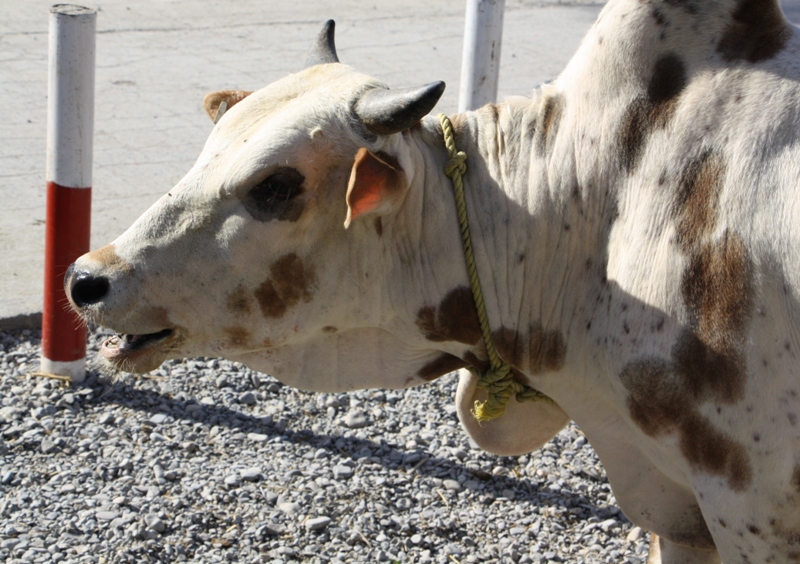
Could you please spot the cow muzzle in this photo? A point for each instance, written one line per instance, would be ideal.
(128, 351)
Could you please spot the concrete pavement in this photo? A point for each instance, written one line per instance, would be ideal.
(156, 60)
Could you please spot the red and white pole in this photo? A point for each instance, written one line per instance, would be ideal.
(70, 129)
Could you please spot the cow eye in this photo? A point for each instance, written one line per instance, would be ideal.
(274, 197)
(282, 185)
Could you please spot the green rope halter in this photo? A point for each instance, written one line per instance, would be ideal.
(498, 381)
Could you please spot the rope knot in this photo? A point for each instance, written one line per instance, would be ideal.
(457, 164)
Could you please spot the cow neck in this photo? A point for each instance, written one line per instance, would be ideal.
(538, 235)
(498, 379)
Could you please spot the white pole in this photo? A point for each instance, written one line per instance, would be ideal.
(480, 64)
(70, 128)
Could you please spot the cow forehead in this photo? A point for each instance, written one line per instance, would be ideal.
(274, 126)
(307, 98)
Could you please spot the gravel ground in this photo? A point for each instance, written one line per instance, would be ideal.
(208, 461)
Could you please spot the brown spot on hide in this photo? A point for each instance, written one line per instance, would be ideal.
(659, 403)
(717, 290)
(547, 350)
(757, 32)
(697, 197)
(456, 319)
(633, 132)
(289, 283)
(379, 226)
(651, 111)
(712, 451)
(708, 361)
(236, 336)
(655, 396)
(444, 364)
(706, 372)
(108, 257)
(549, 120)
(329, 329)
(666, 84)
(533, 352)
(796, 478)
(238, 301)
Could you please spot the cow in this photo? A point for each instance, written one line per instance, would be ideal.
(636, 230)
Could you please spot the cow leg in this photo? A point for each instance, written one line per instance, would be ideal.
(663, 551)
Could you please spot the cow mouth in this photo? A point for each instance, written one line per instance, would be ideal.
(129, 349)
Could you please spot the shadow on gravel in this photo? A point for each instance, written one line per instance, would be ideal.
(391, 456)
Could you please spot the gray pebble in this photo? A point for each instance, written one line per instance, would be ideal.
(608, 524)
(341, 472)
(106, 419)
(452, 485)
(48, 445)
(356, 419)
(158, 418)
(290, 508)
(190, 446)
(270, 529)
(634, 535)
(251, 474)
(247, 398)
(317, 523)
(155, 523)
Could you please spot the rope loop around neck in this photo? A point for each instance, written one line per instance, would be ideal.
(498, 380)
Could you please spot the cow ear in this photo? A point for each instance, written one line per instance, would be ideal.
(376, 186)
(213, 100)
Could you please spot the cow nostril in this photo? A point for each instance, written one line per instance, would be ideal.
(86, 289)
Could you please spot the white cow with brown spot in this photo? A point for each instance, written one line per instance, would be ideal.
(636, 228)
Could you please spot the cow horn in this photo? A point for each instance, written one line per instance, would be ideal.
(385, 111)
(324, 50)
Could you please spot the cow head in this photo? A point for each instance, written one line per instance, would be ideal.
(266, 252)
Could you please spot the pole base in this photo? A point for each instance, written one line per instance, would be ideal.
(75, 369)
